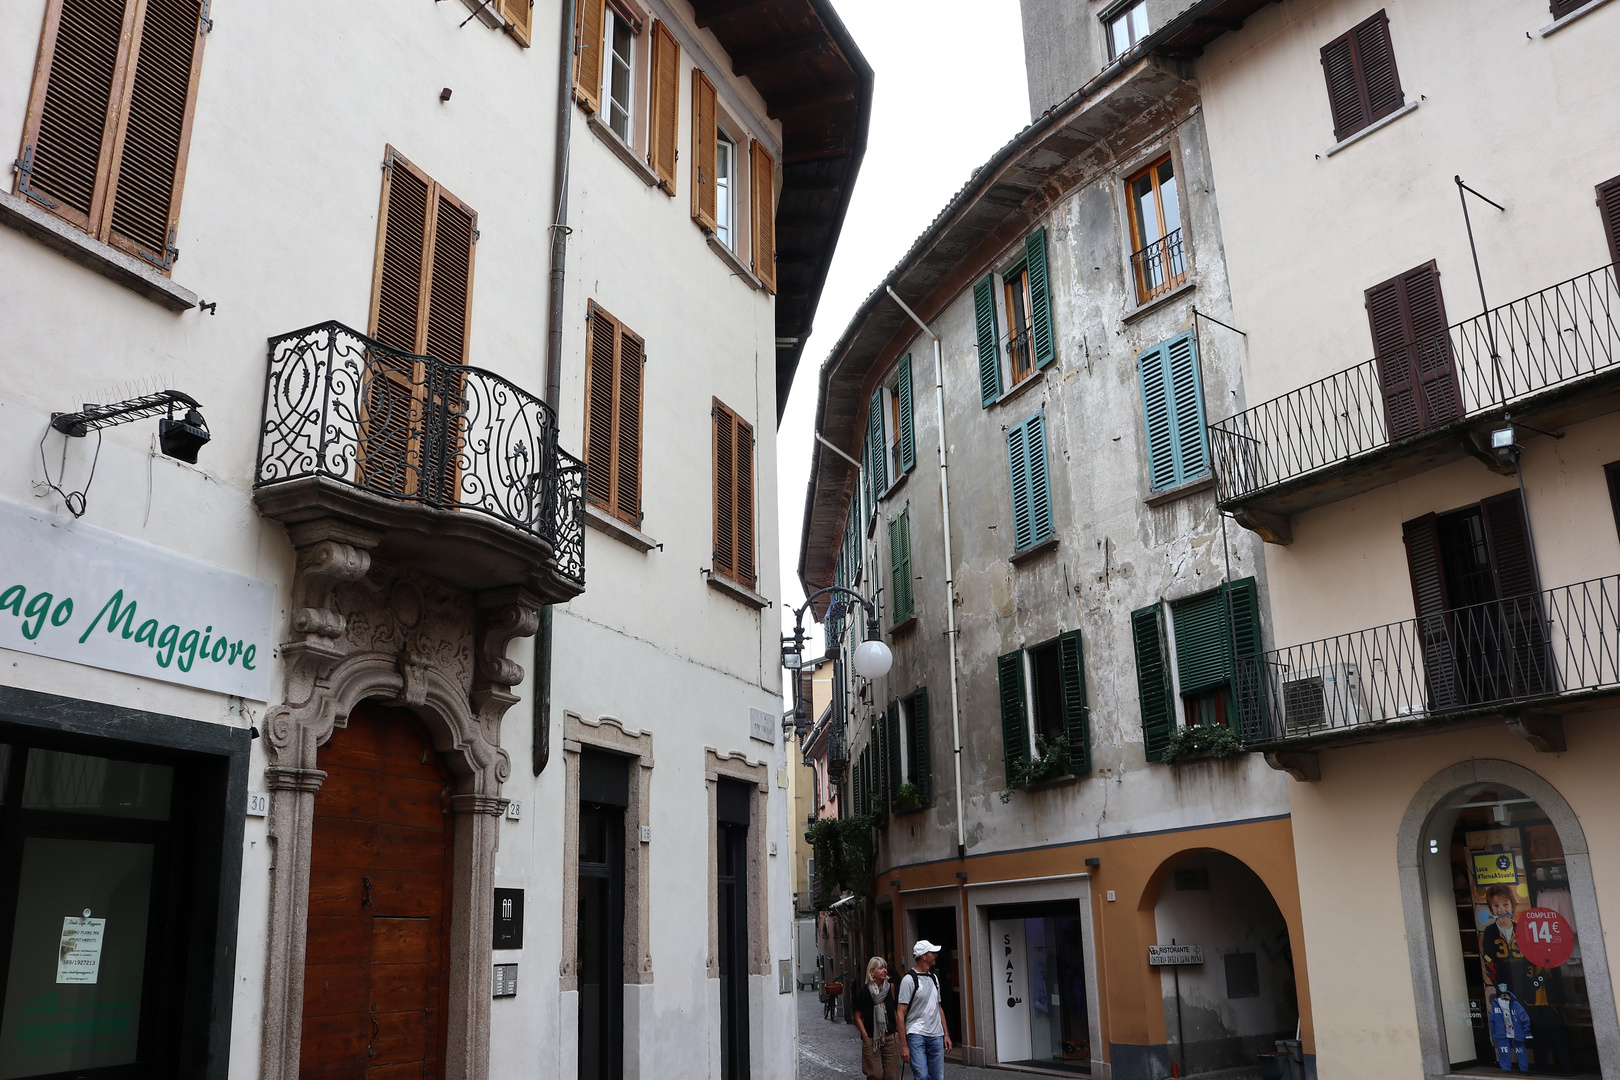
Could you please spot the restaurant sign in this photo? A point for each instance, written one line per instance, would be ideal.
(78, 593)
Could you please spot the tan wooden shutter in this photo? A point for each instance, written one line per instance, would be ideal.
(1608, 201)
(449, 280)
(627, 435)
(519, 16)
(109, 119)
(733, 496)
(589, 21)
(762, 170)
(613, 416)
(664, 105)
(705, 131)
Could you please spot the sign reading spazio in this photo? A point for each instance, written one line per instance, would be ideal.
(82, 594)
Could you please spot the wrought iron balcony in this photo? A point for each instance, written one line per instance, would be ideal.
(421, 450)
(1535, 357)
(1543, 651)
(1159, 267)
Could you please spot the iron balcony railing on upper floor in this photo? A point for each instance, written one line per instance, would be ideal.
(1159, 267)
(1511, 353)
(411, 428)
(1530, 648)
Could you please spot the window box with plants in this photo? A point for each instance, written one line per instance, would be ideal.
(1200, 742)
(1051, 762)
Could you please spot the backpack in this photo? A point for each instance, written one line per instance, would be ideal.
(913, 975)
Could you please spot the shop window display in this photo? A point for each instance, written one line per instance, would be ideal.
(1513, 985)
(1041, 1014)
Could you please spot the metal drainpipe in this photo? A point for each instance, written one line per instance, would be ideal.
(950, 636)
(541, 749)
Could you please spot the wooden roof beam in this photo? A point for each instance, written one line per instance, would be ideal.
(787, 103)
(719, 10)
(801, 48)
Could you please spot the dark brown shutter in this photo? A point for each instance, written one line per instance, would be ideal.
(762, 168)
(627, 433)
(1509, 540)
(1431, 603)
(725, 509)
(1343, 88)
(1362, 82)
(589, 25)
(705, 132)
(1611, 473)
(1560, 8)
(109, 119)
(1516, 628)
(1407, 316)
(1608, 200)
(745, 503)
(664, 106)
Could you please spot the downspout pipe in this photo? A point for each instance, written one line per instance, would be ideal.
(541, 748)
(950, 583)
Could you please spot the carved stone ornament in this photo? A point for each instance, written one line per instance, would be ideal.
(363, 630)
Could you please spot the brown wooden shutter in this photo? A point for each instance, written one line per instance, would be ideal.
(762, 170)
(1560, 8)
(449, 281)
(627, 430)
(613, 416)
(519, 16)
(664, 105)
(733, 496)
(1407, 316)
(1611, 473)
(109, 119)
(1363, 84)
(589, 26)
(1608, 200)
(1509, 538)
(397, 303)
(1422, 536)
(1521, 662)
(705, 131)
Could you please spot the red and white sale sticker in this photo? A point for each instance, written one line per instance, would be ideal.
(1545, 937)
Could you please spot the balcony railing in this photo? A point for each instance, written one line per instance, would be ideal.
(415, 429)
(1159, 267)
(1539, 342)
(1536, 647)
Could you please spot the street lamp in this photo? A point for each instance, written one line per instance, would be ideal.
(872, 657)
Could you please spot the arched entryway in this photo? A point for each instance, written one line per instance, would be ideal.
(379, 905)
(1240, 1000)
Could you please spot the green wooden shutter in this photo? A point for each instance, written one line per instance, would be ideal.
(1159, 418)
(879, 452)
(1018, 469)
(1076, 718)
(1040, 484)
(901, 594)
(984, 310)
(907, 579)
(1040, 298)
(1203, 647)
(893, 777)
(1014, 727)
(1187, 398)
(1153, 679)
(1248, 687)
(908, 446)
(858, 795)
(920, 745)
(866, 481)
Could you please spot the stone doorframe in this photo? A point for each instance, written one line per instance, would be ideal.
(735, 765)
(363, 631)
(1420, 934)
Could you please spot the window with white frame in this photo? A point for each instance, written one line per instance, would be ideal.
(618, 72)
(1044, 721)
(725, 189)
(1126, 27)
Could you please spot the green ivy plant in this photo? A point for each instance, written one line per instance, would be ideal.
(1049, 763)
(843, 850)
(1201, 741)
(909, 797)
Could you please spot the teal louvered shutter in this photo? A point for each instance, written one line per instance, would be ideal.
(891, 746)
(1192, 441)
(902, 390)
(1248, 686)
(1018, 468)
(919, 745)
(878, 451)
(1076, 716)
(1153, 679)
(1040, 298)
(866, 481)
(1014, 726)
(984, 312)
(1203, 643)
(1160, 422)
(1040, 481)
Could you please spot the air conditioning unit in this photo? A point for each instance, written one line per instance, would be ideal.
(1323, 698)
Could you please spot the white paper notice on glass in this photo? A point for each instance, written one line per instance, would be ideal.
(79, 959)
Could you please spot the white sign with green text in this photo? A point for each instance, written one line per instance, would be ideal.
(75, 592)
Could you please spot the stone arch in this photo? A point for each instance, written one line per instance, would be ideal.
(1415, 904)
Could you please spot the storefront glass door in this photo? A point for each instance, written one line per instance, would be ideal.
(1041, 1014)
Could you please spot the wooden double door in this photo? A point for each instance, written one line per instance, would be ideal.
(379, 908)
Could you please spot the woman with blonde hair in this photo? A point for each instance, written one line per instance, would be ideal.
(874, 1019)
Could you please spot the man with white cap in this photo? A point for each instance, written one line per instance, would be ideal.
(921, 1016)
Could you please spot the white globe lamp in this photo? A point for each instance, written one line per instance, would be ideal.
(873, 659)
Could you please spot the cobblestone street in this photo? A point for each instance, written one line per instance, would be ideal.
(831, 1049)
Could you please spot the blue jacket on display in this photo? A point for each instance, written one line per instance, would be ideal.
(1509, 1021)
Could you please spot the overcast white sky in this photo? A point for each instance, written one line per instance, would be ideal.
(949, 91)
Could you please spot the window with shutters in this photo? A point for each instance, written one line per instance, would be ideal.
(421, 303)
(109, 120)
(907, 743)
(1608, 200)
(613, 367)
(618, 71)
(1417, 372)
(1214, 633)
(1477, 598)
(1017, 298)
(519, 18)
(733, 180)
(1363, 86)
(1127, 25)
(1042, 691)
(1173, 413)
(725, 201)
(902, 594)
(891, 449)
(1031, 485)
(733, 496)
(1158, 254)
(627, 72)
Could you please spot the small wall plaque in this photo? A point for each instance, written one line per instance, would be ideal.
(506, 980)
(508, 919)
(784, 971)
(762, 726)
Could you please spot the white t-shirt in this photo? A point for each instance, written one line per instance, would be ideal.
(920, 994)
